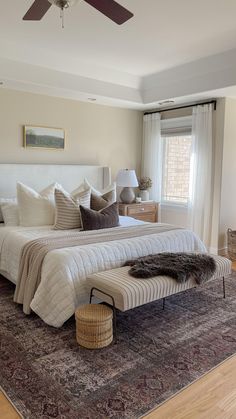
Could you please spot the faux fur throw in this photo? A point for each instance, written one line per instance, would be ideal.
(180, 266)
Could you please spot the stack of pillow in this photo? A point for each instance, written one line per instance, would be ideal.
(85, 207)
(9, 211)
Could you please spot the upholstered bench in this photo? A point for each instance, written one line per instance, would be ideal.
(117, 288)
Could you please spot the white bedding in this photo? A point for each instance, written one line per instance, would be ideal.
(13, 239)
(64, 271)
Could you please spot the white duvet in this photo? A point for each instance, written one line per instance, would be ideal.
(64, 271)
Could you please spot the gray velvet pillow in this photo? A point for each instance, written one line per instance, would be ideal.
(95, 220)
(99, 202)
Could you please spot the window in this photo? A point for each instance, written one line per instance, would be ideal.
(176, 168)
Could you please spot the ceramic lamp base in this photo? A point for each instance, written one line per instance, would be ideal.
(127, 195)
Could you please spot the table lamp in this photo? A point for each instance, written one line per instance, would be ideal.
(128, 180)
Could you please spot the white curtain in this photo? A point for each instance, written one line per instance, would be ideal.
(151, 153)
(201, 177)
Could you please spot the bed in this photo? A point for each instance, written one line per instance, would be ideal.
(62, 287)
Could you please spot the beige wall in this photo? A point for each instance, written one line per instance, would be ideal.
(96, 134)
(228, 183)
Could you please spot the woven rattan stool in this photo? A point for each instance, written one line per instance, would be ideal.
(94, 326)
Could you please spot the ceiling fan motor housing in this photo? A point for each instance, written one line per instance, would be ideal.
(63, 4)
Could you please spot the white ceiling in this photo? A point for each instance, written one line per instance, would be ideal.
(94, 56)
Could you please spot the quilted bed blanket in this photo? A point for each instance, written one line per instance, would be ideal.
(61, 287)
(34, 252)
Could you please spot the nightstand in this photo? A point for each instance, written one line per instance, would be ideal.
(145, 211)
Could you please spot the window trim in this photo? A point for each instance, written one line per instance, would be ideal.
(173, 204)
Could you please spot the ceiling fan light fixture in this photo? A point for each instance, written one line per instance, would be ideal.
(63, 4)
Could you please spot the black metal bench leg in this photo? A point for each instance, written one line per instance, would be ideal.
(223, 287)
(163, 303)
(114, 324)
(91, 296)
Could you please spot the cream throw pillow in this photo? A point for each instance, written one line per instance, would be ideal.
(36, 209)
(4, 201)
(67, 208)
(10, 213)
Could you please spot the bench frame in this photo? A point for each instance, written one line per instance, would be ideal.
(113, 305)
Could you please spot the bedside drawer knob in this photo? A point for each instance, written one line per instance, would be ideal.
(142, 209)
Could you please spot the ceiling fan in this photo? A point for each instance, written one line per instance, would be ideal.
(109, 8)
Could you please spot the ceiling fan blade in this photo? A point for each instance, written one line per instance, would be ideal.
(112, 10)
(38, 9)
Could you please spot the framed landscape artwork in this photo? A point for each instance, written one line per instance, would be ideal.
(44, 137)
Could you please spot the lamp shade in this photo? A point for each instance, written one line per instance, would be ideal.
(127, 178)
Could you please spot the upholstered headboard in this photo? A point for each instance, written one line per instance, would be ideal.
(38, 176)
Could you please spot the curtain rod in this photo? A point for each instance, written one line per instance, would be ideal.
(182, 107)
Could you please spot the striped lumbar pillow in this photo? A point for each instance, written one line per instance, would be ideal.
(67, 209)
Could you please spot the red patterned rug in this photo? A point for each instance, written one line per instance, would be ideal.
(47, 375)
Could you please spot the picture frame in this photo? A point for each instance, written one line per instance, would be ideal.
(44, 137)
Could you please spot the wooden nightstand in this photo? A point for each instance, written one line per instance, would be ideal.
(145, 211)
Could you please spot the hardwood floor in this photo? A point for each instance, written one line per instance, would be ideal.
(7, 411)
(211, 397)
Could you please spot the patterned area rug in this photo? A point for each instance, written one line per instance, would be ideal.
(47, 375)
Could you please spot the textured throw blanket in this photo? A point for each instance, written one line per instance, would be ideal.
(180, 266)
(34, 252)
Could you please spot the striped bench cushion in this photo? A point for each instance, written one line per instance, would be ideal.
(129, 292)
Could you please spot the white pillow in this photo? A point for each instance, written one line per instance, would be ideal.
(109, 188)
(10, 213)
(81, 188)
(36, 209)
(4, 201)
